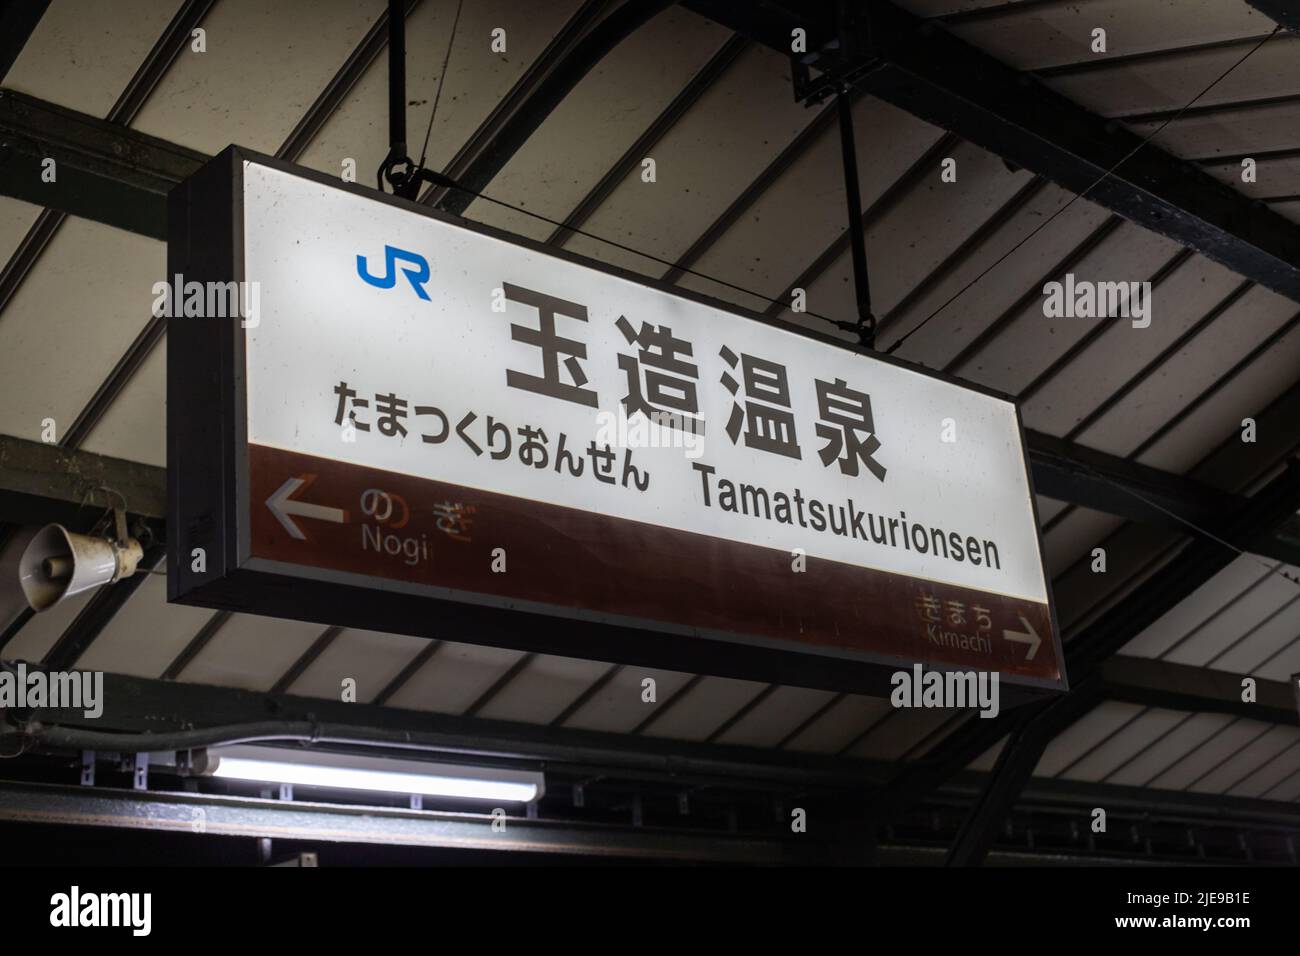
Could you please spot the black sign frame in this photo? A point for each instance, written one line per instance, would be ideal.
(208, 492)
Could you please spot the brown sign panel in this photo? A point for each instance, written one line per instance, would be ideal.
(323, 514)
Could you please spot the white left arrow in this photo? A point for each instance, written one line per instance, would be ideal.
(283, 505)
(1027, 636)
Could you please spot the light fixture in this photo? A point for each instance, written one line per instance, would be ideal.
(310, 768)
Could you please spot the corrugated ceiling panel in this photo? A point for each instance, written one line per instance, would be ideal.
(1196, 609)
(1238, 131)
(1123, 745)
(808, 202)
(603, 116)
(1082, 735)
(1246, 761)
(147, 634)
(1240, 617)
(1075, 537)
(1120, 351)
(16, 218)
(837, 728)
(370, 658)
(34, 641)
(1283, 663)
(1273, 177)
(71, 320)
(1267, 642)
(931, 740)
(1169, 82)
(959, 323)
(82, 55)
(1212, 752)
(1048, 34)
(894, 737)
(918, 234)
(250, 651)
(1032, 341)
(1219, 418)
(1288, 789)
(135, 425)
(1272, 773)
(700, 711)
(701, 165)
(619, 707)
(1195, 367)
(1183, 736)
(271, 55)
(776, 716)
(455, 677)
(1048, 508)
(541, 691)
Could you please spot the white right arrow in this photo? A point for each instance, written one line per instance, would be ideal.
(282, 505)
(1027, 636)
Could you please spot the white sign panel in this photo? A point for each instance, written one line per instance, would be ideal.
(948, 459)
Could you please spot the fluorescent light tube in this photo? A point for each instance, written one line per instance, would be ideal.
(378, 774)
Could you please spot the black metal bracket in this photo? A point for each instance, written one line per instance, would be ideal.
(835, 60)
(407, 184)
(828, 67)
(866, 325)
(88, 768)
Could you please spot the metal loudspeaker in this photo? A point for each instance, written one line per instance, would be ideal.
(58, 564)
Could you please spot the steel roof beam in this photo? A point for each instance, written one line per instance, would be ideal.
(1157, 683)
(149, 707)
(161, 811)
(106, 172)
(918, 67)
(42, 483)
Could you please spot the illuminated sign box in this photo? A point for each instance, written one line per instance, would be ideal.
(436, 428)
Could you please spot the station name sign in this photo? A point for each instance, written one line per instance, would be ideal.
(436, 428)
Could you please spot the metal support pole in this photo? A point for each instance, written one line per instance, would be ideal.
(396, 78)
(400, 179)
(857, 239)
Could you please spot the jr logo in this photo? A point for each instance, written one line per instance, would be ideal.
(417, 273)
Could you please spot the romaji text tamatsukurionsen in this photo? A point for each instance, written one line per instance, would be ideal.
(843, 519)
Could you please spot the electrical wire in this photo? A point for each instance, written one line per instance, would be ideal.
(442, 79)
(452, 184)
(1195, 527)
